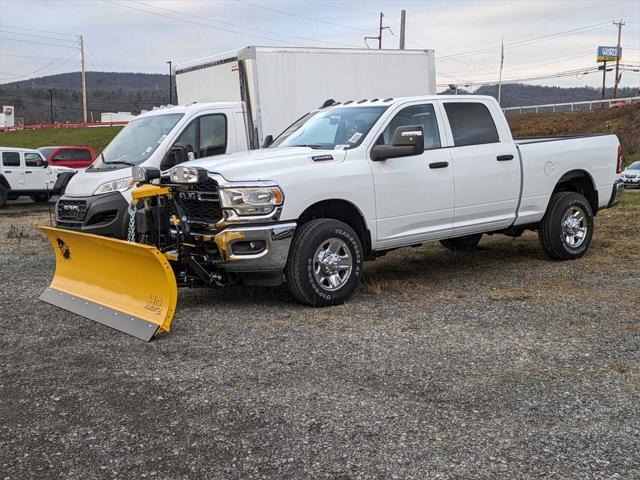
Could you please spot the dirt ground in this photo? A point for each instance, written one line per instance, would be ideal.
(491, 364)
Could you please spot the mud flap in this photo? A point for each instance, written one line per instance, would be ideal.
(126, 286)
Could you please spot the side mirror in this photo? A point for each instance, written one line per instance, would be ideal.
(268, 140)
(177, 155)
(45, 164)
(407, 141)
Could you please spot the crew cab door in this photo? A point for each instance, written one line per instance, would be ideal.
(36, 174)
(414, 194)
(13, 169)
(486, 166)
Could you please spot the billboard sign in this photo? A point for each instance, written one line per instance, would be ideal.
(608, 54)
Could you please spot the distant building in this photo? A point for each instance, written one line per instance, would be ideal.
(7, 117)
(107, 117)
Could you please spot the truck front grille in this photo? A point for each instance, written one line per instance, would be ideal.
(72, 210)
(201, 204)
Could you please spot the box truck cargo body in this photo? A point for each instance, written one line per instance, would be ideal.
(279, 85)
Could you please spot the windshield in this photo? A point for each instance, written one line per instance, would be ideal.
(343, 127)
(634, 166)
(137, 141)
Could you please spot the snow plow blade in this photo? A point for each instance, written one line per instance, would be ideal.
(126, 286)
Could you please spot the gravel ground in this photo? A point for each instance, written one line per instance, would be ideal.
(492, 364)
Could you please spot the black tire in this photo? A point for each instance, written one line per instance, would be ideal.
(40, 197)
(303, 268)
(463, 244)
(4, 195)
(567, 227)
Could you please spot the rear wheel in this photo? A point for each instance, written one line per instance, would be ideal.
(3, 196)
(567, 227)
(325, 263)
(465, 244)
(40, 197)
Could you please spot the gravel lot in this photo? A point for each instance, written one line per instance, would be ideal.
(492, 364)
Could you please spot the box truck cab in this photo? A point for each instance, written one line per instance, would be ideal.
(232, 102)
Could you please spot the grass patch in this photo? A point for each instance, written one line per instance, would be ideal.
(94, 137)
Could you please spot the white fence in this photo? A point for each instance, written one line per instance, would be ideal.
(569, 107)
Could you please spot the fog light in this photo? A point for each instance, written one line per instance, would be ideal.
(248, 248)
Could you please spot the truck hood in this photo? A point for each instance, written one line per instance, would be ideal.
(84, 183)
(266, 164)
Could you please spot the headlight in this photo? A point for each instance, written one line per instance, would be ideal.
(181, 174)
(145, 174)
(251, 200)
(115, 186)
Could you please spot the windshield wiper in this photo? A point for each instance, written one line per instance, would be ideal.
(119, 163)
(311, 145)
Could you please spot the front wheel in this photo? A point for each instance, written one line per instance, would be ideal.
(567, 227)
(325, 263)
(40, 197)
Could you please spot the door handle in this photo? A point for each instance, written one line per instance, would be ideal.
(504, 158)
(439, 165)
(28, 171)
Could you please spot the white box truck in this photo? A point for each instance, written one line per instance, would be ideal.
(278, 85)
(230, 103)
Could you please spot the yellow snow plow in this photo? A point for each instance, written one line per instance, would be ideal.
(127, 286)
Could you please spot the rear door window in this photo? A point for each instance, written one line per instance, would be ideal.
(10, 159)
(471, 123)
(80, 155)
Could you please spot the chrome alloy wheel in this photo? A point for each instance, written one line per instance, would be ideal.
(332, 264)
(574, 227)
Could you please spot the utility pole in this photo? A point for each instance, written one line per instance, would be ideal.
(84, 82)
(604, 80)
(618, 55)
(170, 85)
(501, 65)
(403, 18)
(51, 104)
(379, 37)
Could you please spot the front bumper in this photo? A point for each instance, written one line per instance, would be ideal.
(253, 249)
(105, 215)
(631, 183)
(615, 193)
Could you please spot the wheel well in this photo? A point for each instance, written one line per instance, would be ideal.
(580, 182)
(4, 183)
(345, 212)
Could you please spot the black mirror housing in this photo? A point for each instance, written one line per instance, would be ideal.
(407, 141)
(268, 140)
(177, 155)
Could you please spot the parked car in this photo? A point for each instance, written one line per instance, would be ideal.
(631, 176)
(621, 104)
(25, 172)
(71, 157)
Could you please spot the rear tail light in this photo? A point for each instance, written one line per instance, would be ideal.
(619, 163)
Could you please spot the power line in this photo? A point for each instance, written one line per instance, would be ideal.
(14, 27)
(61, 58)
(268, 32)
(34, 42)
(31, 35)
(349, 27)
(210, 26)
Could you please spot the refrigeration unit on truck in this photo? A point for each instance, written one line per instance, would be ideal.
(232, 102)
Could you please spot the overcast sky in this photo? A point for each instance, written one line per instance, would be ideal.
(141, 35)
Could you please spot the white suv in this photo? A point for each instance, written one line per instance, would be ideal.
(26, 172)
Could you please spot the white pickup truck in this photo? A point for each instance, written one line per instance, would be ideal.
(25, 172)
(353, 181)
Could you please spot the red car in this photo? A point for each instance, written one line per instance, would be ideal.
(72, 157)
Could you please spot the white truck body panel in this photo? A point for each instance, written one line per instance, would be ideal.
(403, 201)
(282, 84)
